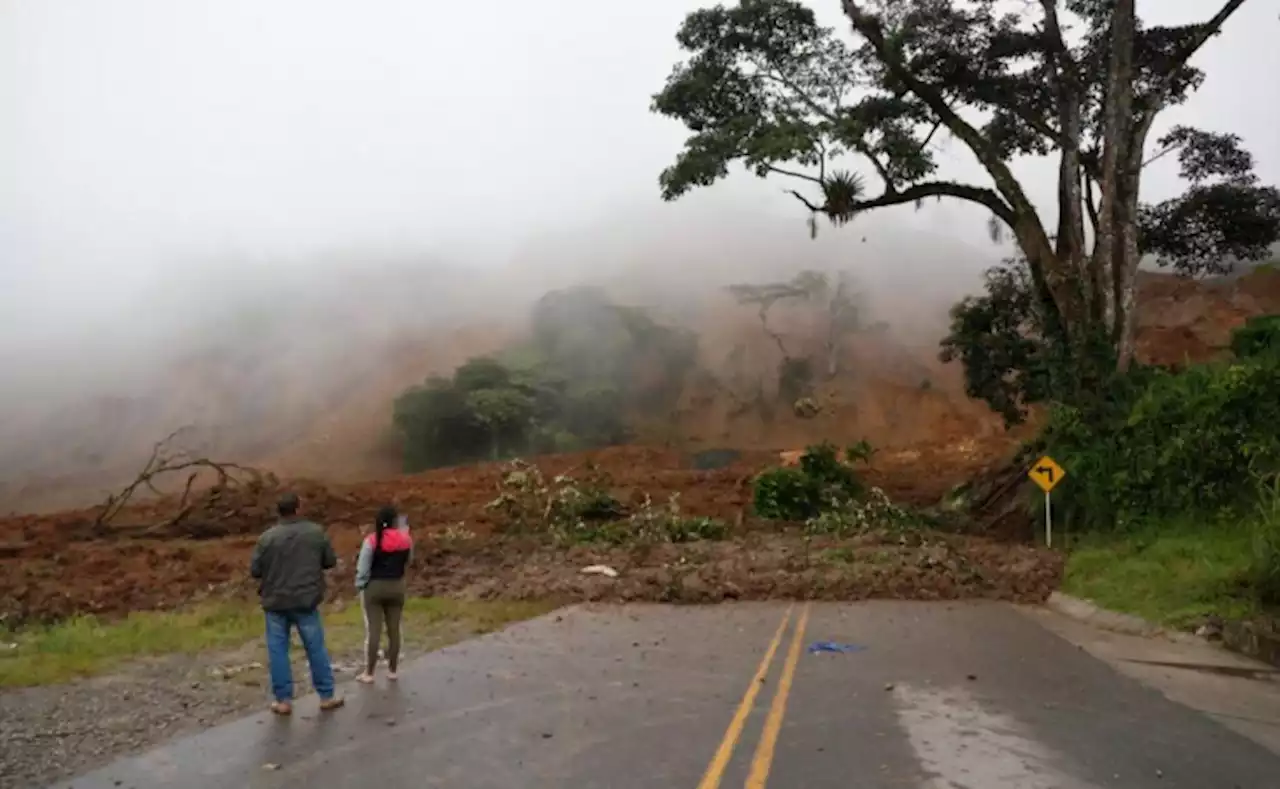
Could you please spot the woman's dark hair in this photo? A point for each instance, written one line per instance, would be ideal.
(386, 519)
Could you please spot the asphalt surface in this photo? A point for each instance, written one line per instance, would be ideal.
(972, 696)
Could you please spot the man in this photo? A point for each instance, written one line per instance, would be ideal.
(289, 562)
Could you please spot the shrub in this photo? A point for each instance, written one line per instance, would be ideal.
(528, 503)
(1169, 443)
(858, 517)
(668, 524)
(1266, 541)
(1259, 336)
(821, 482)
(575, 511)
(785, 494)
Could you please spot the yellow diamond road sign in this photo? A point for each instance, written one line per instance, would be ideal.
(1046, 473)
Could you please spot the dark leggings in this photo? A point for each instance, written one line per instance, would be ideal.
(383, 601)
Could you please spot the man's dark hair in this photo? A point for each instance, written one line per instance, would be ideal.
(287, 506)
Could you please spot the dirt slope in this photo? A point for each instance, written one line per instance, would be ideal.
(891, 391)
(325, 413)
(59, 565)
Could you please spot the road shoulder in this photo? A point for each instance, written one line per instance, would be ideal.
(1240, 693)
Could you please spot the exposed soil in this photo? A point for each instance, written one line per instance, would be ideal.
(330, 419)
(930, 439)
(59, 565)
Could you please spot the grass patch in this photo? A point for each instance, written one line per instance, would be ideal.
(87, 646)
(1172, 576)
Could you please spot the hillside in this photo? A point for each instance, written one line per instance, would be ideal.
(322, 410)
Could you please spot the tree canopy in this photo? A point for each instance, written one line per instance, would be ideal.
(766, 86)
(587, 365)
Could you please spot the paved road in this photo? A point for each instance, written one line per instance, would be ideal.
(977, 696)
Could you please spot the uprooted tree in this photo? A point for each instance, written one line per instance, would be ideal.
(1083, 80)
(170, 457)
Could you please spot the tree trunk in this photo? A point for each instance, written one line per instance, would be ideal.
(1111, 272)
(1128, 258)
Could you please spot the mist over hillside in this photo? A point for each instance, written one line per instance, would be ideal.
(253, 352)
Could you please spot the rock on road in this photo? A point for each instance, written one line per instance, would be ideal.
(942, 696)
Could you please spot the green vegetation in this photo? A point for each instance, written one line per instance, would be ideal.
(1174, 483)
(873, 513)
(587, 365)
(87, 646)
(1259, 336)
(764, 85)
(1169, 443)
(572, 511)
(822, 482)
(1173, 574)
(825, 493)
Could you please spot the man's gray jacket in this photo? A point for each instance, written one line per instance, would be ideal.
(289, 562)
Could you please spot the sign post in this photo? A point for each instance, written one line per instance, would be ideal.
(1046, 473)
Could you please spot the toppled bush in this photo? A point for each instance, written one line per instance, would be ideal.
(651, 523)
(876, 512)
(526, 502)
(822, 482)
(573, 511)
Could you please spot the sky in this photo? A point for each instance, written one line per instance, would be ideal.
(149, 143)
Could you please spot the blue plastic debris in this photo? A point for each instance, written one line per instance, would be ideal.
(831, 646)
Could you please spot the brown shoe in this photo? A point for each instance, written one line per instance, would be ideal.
(332, 704)
(282, 708)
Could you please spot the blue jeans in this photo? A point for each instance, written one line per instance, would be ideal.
(311, 631)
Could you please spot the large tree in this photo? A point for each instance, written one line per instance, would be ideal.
(1081, 80)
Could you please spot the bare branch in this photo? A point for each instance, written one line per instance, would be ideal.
(928, 138)
(1089, 204)
(1056, 45)
(869, 26)
(1161, 154)
(814, 208)
(1208, 30)
(891, 197)
(817, 179)
(973, 194)
(166, 459)
(881, 170)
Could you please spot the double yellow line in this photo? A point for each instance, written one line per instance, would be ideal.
(763, 758)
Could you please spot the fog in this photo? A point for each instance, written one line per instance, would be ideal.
(176, 175)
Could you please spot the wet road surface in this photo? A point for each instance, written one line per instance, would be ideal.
(972, 696)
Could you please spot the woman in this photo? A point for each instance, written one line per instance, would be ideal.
(384, 556)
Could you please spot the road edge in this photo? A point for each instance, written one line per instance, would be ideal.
(1240, 637)
(1091, 613)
